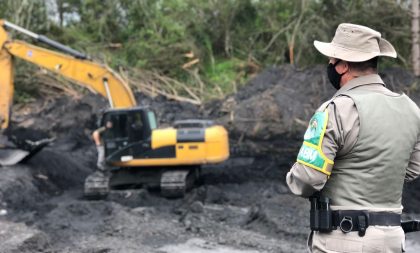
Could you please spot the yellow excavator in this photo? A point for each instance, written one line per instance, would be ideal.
(137, 150)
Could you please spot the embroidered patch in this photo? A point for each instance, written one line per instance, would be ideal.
(310, 153)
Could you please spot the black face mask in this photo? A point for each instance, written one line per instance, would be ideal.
(333, 75)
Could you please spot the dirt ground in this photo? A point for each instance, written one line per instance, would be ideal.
(241, 206)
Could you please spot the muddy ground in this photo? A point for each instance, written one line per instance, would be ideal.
(240, 206)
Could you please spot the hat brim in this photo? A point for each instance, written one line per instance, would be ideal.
(351, 55)
(387, 49)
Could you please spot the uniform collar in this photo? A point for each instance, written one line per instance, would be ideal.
(360, 81)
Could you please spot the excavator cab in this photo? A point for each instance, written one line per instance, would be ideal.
(128, 133)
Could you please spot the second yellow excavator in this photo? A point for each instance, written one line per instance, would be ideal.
(137, 150)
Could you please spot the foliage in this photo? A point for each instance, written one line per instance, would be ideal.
(225, 36)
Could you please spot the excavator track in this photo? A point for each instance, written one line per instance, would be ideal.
(96, 186)
(175, 183)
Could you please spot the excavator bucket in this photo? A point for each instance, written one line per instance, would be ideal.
(13, 155)
(10, 157)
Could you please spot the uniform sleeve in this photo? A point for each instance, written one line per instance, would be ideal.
(340, 135)
(413, 169)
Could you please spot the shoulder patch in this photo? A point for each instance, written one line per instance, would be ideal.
(310, 153)
(316, 128)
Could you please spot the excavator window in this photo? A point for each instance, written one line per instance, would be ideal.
(136, 132)
(152, 120)
(119, 128)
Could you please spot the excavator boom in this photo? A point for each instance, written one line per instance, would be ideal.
(70, 64)
(73, 65)
(87, 73)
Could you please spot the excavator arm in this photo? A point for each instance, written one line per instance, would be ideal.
(73, 65)
(69, 63)
(6, 81)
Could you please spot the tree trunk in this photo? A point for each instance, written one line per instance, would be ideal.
(415, 49)
(60, 8)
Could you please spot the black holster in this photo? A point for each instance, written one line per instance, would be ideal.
(410, 226)
(321, 214)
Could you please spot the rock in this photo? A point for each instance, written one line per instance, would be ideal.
(16, 237)
(197, 207)
(197, 245)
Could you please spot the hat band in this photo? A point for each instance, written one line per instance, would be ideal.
(354, 49)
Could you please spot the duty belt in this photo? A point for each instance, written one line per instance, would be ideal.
(352, 220)
(325, 220)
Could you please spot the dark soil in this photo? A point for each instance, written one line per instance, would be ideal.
(242, 205)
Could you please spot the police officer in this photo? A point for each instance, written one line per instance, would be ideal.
(360, 147)
(97, 136)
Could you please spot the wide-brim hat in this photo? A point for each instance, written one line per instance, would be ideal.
(356, 43)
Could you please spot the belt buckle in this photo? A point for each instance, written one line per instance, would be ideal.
(346, 224)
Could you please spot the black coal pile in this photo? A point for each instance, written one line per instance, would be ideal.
(240, 206)
(270, 114)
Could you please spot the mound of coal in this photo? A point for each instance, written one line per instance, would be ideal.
(273, 108)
